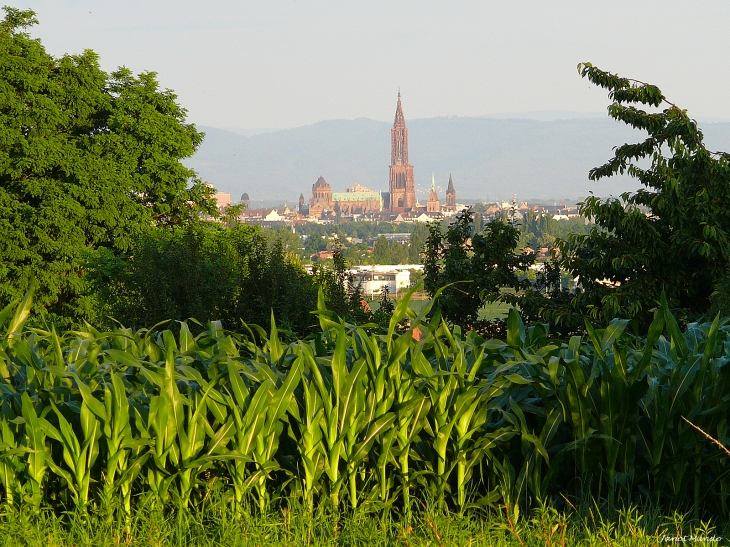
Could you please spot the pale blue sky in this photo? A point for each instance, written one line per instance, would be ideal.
(285, 63)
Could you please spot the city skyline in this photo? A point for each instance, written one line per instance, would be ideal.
(361, 200)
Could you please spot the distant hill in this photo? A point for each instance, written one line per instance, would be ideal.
(489, 158)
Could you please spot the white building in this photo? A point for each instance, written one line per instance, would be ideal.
(397, 277)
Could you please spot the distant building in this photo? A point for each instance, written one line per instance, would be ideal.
(222, 200)
(450, 205)
(433, 205)
(400, 237)
(357, 200)
(245, 200)
(321, 200)
(372, 279)
(399, 204)
(268, 218)
(402, 195)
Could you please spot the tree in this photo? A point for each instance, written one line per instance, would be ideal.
(473, 266)
(198, 271)
(381, 251)
(342, 295)
(672, 235)
(398, 253)
(87, 160)
(417, 243)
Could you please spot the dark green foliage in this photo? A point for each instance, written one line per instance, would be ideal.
(341, 294)
(196, 271)
(473, 266)
(391, 252)
(215, 273)
(385, 309)
(87, 160)
(672, 235)
(721, 297)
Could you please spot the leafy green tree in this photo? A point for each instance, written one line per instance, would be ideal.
(87, 160)
(399, 252)
(672, 235)
(291, 241)
(418, 242)
(357, 254)
(275, 281)
(342, 295)
(381, 251)
(474, 267)
(193, 271)
(385, 309)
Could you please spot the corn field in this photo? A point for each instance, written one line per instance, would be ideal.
(356, 416)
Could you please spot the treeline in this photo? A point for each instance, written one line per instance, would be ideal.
(206, 271)
(364, 242)
(542, 230)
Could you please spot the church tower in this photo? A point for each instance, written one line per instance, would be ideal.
(450, 197)
(433, 205)
(321, 200)
(402, 187)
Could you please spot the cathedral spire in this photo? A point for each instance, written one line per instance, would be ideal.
(399, 118)
(450, 189)
(433, 182)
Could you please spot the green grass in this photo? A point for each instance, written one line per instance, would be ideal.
(214, 524)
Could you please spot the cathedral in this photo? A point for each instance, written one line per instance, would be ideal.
(398, 201)
(402, 198)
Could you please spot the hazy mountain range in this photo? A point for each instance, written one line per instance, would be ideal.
(489, 158)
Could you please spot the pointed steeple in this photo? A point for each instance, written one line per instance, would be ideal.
(450, 204)
(433, 205)
(399, 118)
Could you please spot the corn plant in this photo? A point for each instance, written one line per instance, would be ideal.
(359, 415)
